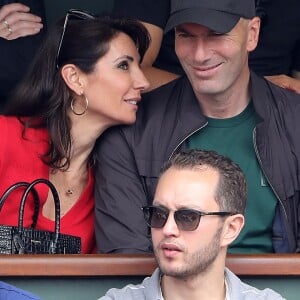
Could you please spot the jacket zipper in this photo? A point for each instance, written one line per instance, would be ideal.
(261, 166)
(257, 155)
(175, 149)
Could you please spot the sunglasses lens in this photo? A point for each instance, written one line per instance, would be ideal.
(187, 220)
(156, 217)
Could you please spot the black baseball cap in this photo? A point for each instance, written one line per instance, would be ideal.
(218, 15)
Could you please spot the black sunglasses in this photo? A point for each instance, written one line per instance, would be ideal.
(73, 14)
(186, 219)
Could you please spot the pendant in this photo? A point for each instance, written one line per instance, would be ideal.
(69, 192)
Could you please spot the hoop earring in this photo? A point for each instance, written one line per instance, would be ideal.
(85, 109)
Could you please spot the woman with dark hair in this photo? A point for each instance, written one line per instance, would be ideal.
(85, 79)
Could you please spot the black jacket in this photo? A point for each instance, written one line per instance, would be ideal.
(129, 159)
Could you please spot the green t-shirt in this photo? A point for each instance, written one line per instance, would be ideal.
(233, 137)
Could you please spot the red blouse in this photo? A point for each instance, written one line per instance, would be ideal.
(20, 160)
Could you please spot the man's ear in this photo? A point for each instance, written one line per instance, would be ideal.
(73, 78)
(232, 228)
(253, 33)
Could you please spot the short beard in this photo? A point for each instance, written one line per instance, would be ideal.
(196, 263)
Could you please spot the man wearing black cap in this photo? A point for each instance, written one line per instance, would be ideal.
(279, 32)
(219, 105)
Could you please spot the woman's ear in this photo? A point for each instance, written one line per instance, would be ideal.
(232, 228)
(72, 77)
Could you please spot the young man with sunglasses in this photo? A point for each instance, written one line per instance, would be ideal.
(198, 210)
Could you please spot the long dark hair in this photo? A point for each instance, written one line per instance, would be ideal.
(43, 98)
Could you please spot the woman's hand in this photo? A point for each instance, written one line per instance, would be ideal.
(16, 21)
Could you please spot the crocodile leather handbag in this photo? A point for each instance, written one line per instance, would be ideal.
(24, 240)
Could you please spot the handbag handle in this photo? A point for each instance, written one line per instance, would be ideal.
(35, 196)
(53, 244)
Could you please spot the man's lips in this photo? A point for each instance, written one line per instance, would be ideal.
(206, 68)
(170, 249)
